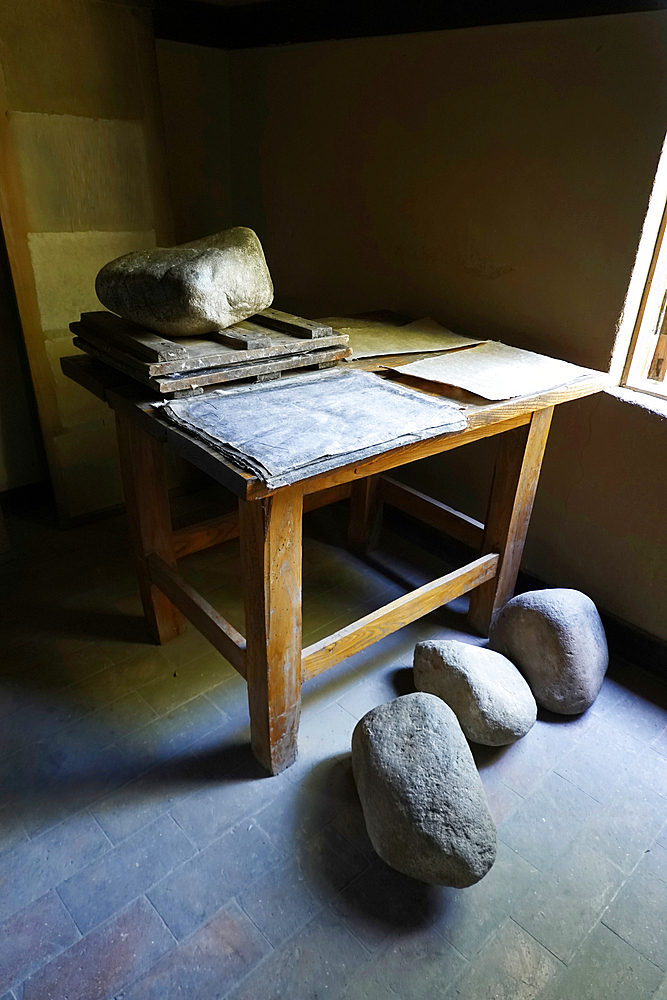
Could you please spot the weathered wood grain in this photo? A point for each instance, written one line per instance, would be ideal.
(143, 343)
(310, 329)
(365, 520)
(216, 530)
(219, 632)
(271, 560)
(515, 478)
(360, 634)
(432, 512)
(144, 478)
(219, 375)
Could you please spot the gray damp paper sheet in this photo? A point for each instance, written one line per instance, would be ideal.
(296, 427)
(496, 371)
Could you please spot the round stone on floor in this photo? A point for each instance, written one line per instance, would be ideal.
(423, 801)
(556, 639)
(490, 698)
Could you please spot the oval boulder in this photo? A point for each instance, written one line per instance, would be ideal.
(423, 801)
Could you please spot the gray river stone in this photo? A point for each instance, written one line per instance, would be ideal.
(424, 805)
(557, 640)
(192, 289)
(490, 698)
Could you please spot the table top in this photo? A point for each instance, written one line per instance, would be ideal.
(483, 419)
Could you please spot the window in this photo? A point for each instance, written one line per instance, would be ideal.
(640, 354)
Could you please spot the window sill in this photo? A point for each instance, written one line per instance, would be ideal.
(653, 404)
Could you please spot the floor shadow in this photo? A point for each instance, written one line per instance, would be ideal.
(91, 624)
(39, 805)
(376, 900)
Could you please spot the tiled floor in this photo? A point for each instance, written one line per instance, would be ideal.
(144, 855)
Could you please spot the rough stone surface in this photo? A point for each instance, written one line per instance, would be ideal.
(192, 289)
(490, 698)
(556, 639)
(423, 801)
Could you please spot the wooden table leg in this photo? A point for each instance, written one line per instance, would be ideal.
(515, 478)
(143, 472)
(365, 515)
(270, 531)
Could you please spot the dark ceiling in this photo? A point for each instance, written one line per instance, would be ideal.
(281, 22)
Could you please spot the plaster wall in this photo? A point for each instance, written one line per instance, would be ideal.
(496, 179)
(194, 90)
(82, 180)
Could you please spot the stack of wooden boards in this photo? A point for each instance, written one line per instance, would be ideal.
(259, 349)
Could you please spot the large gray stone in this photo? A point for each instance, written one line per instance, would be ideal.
(488, 695)
(425, 809)
(556, 639)
(192, 289)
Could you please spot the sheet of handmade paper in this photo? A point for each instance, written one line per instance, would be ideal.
(285, 430)
(495, 371)
(370, 339)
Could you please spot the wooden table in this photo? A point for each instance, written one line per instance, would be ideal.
(268, 523)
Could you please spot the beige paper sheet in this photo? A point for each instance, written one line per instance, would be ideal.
(370, 339)
(495, 371)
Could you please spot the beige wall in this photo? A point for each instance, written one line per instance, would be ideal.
(496, 179)
(194, 90)
(82, 181)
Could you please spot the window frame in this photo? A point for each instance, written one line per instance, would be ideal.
(644, 316)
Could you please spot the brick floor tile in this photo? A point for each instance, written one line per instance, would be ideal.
(546, 821)
(123, 873)
(208, 964)
(468, 917)
(152, 794)
(199, 888)
(511, 965)
(280, 902)
(382, 902)
(35, 867)
(32, 937)
(100, 964)
(639, 912)
(563, 905)
(416, 966)
(625, 824)
(308, 966)
(236, 795)
(172, 733)
(605, 967)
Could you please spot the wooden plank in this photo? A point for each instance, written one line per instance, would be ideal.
(218, 349)
(115, 353)
(144, 477)
(234, 373)
(432, 512)
(216, 530)
(515, 478)
(230, 373)
(131, 399)
(271, 560)
(219, 632)
(243, 336)
(365, 520)
(143, 343)
(91, 374)
(296, 326)
(360, 634)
